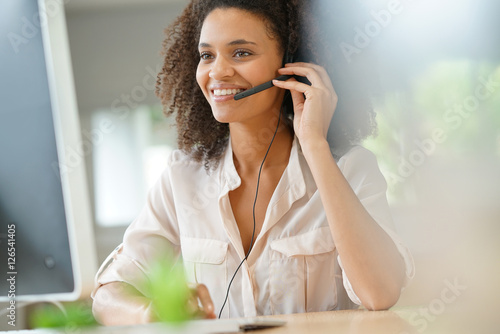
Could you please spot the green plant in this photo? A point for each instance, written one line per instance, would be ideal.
(72, 315)
(170, 293)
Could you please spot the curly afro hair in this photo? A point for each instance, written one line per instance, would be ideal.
(295, 25)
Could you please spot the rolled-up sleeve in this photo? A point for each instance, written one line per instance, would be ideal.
(359, 166)
(150, 237)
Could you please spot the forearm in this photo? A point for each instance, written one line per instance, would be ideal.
(119, 303)
(369, 256)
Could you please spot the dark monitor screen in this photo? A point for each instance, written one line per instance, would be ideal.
(35, 243)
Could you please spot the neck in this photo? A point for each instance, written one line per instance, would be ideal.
(250, 145)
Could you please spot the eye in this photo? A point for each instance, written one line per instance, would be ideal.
(242, 53)
(205, 56)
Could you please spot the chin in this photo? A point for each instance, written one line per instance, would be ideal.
(224, 116)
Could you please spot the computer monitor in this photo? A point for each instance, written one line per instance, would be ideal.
(47, 247)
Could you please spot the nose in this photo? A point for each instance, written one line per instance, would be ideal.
(220, 69)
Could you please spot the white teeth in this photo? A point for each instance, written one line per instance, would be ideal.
(224, 92)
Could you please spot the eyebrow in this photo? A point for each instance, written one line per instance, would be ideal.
(235, 42)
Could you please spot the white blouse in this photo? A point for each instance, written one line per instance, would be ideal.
(293, 266)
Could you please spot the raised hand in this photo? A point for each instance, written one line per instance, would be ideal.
(314, 105)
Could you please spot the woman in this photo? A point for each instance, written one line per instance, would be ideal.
(320, 227)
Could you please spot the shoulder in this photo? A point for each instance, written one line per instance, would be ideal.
(179, 159)
(179, 164)
(359, 165)
(183, 164)
(357, 155)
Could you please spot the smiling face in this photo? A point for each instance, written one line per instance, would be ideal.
(238, 53)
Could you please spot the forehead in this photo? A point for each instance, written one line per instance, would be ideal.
(227, 24)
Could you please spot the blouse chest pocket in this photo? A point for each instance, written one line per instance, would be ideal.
(302, 275)
(205, 263)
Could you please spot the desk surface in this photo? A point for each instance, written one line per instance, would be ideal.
(339, 322)
(410, 320)
(399, 321)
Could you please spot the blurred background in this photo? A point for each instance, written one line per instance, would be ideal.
(435, 65)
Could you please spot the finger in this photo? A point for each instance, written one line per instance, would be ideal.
(307, 72)
(206, 301)
(298, 99)
(321, 71)
(193, 308)
(296, 86)
(324, 87)
(292, 85)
